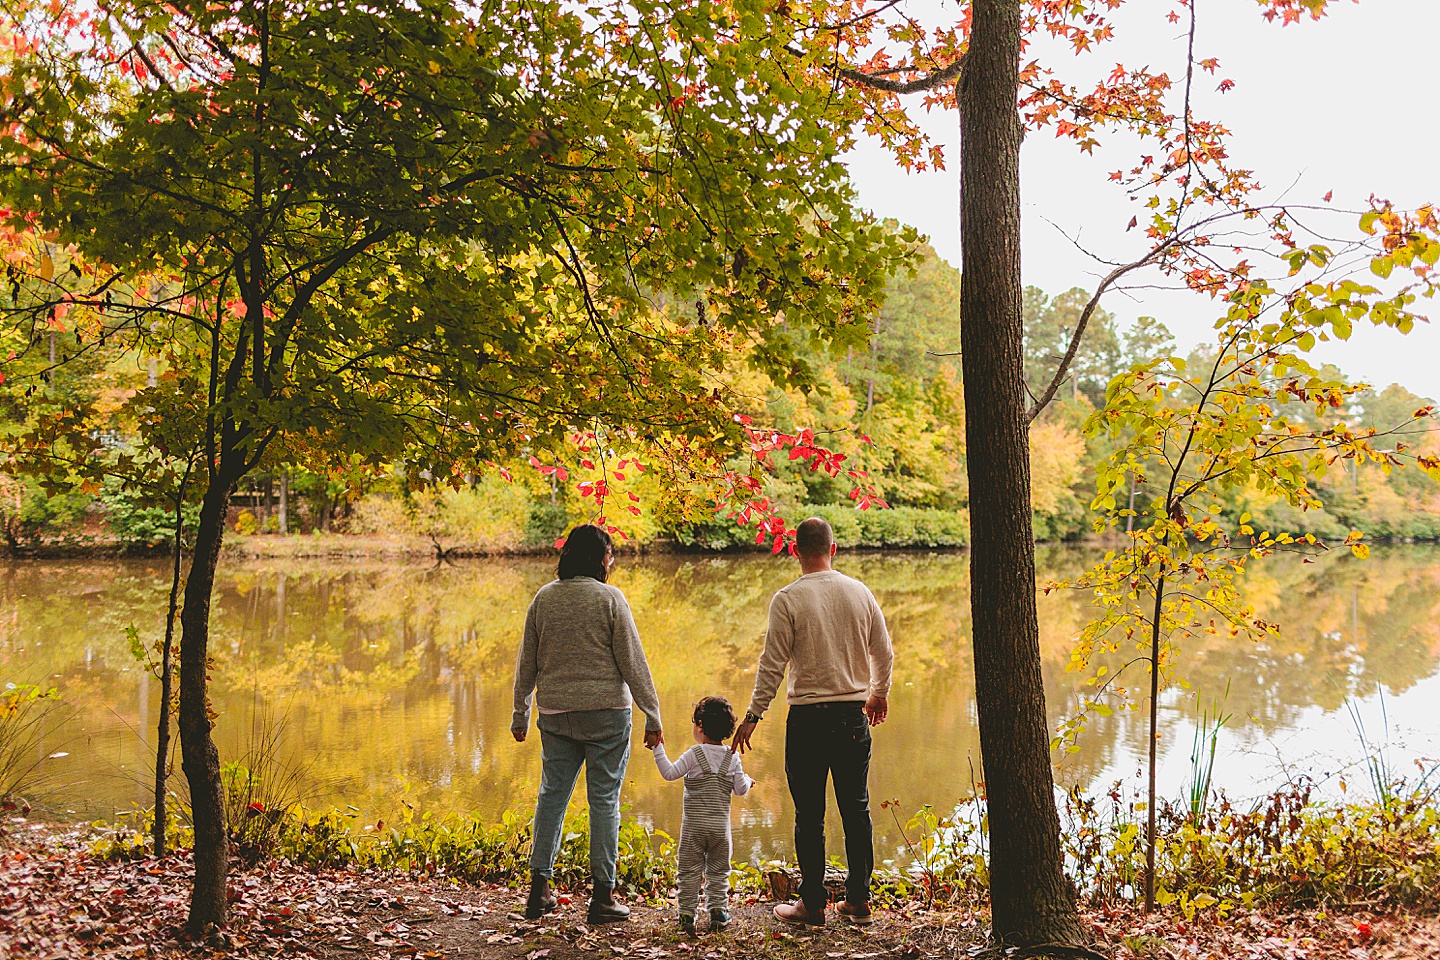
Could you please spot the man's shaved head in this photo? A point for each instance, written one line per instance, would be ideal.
(813, 538)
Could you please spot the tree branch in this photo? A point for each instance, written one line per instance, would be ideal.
(1110, 278)
(951, 73)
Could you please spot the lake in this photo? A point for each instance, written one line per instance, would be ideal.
(390, 683)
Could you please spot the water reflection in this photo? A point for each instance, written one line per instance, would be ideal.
(393, 681)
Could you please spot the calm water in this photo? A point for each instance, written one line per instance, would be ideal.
(391, 683)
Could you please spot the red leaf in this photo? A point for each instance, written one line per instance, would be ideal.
(779, 542)
(633, 509)
(562, 474)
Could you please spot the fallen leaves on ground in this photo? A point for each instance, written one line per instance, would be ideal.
(56, 901)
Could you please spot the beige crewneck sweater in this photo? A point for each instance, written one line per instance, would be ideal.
(828, 629)
(581, 651)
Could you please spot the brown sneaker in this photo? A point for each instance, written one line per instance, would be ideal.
(855, 912)
(796, 915)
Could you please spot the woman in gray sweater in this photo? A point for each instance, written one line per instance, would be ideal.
(582, 662)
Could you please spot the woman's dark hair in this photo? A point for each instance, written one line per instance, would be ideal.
(715, 716)
(584, 553)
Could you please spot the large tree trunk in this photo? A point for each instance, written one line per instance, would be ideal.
(200, 759)
(1031, 900)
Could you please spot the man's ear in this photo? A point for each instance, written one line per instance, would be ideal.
(833, 547)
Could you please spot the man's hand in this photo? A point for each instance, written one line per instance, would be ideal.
(875, 710)
(519, 734)
(653, 739)
(741, 743)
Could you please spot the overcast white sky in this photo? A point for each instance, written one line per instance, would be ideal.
(1343, 104)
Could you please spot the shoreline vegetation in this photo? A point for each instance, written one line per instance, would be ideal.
(1286, 876)
(899, 529)
(896, 411)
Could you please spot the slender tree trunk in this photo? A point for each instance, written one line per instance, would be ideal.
(1031, 900)
(1154, 722)
(200, 759)
(284, 502)
(167, 674)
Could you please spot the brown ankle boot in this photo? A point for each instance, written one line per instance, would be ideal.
(604, 909)
(541, 901)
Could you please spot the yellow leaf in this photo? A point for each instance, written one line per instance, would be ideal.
(47, 267)
(432, 68)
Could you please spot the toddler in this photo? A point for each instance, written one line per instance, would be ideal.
(712, 772)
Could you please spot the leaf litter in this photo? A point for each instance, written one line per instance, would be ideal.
(59, 902)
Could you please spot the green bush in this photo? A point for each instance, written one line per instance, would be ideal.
(1069, 521)
(547, 523)
(466, 849)
(720, 533)
(138, 523)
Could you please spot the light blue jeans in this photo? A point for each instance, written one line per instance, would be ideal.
(600, 740)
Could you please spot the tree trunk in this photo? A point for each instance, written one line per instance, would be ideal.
(1154, 740)
(1032, 902)
(284, 502)
(167, 675)
(200, 759)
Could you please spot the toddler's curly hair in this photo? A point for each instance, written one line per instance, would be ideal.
(715, 716)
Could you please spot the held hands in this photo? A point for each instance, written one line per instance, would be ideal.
(741, 743)
(519, 734)
(875, 710)
(653, 739)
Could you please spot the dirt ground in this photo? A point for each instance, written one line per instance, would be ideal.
(58, 902)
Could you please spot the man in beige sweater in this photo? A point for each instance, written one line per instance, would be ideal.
(827, 629)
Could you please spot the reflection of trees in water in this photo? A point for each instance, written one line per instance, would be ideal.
(394, 680)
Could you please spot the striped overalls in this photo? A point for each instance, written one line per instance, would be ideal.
(705, 836)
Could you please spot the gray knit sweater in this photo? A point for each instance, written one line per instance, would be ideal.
(581, 651)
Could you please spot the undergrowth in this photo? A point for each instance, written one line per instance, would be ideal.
(1287, 851)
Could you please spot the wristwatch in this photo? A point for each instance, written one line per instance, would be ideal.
(751, 718)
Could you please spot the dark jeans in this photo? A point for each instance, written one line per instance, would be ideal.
(830, 740)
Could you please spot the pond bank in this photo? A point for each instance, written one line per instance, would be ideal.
(59, 901)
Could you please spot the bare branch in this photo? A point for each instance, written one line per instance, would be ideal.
(1110, 278)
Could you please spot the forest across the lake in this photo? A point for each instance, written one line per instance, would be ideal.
(903, 396)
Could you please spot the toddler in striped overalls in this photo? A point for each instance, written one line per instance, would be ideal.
(712, 773)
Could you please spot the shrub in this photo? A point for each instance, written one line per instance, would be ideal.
(246, 524)
(140, 524)
(547, 523)
(466, 849)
